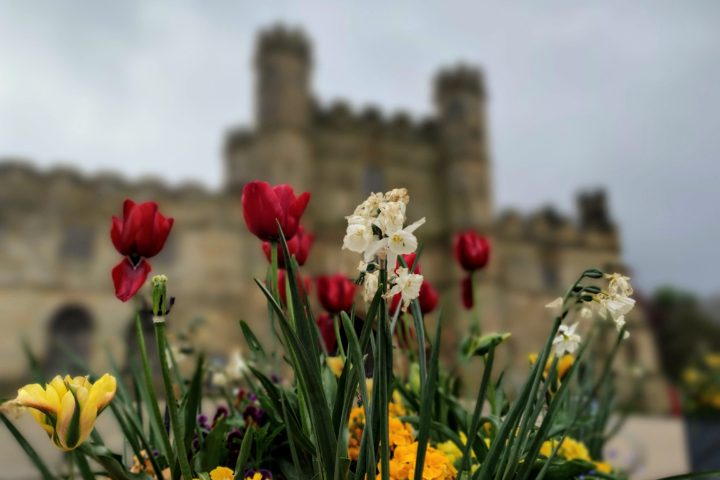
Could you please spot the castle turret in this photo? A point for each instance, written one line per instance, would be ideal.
(592, 207)
(460, 103)
(279, 150)
(282, 66)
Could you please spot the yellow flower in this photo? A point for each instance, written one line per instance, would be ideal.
(400, 433)
(67, 408)
(222, 473)
(450, 450)
(691, 376)
(437, 465)
(713, 360)
(563, 364)
(603, 467)
(569, 450)
(335, 364)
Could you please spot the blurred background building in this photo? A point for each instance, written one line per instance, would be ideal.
(55, 253)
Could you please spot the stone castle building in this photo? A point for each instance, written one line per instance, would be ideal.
(56, 255)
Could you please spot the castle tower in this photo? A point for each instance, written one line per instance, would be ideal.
(280, 151)
(460, 105)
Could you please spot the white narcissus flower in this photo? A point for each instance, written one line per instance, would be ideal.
(370, 206)
(555, 304)
(566, 341)
(391, 217)
(370, 286)
(358, 237)
(616, 306)
(407, 285)
(619, 284)
(396, 244)
(398, 195)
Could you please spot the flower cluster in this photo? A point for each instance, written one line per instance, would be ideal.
(403, 446)
(376, 230)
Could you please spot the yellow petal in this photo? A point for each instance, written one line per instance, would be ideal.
(58, 385)
(66, 429)
(103, 391)
(34, 396)
(88, 415)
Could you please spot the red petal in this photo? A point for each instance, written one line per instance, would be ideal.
(293, 214)
(128, 207)
(142, 218)
(261, 207)
(116, 229)
(128, 279)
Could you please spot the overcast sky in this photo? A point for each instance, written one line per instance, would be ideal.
(621, 94)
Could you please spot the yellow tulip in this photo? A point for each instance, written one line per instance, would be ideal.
(68, 407)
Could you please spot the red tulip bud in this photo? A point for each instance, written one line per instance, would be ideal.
(336, 292)
(472, 250)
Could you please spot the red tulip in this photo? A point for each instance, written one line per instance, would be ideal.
(409, 260)
(327, 331)
(428, 299)
(265, 206)
(336, 292)
(466, 292)
(140, 235)
(472, 250)
(303, 283)
(298, 246)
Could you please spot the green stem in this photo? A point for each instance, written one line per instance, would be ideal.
(477, 314)
(150, 387)
(177, 427)
(336, 327)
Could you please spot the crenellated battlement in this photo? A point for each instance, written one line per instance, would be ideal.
(284, 39)
(340, 115)
(17, 173)
(549, 226)
(461, 77)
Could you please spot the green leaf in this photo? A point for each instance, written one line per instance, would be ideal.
(244, 453)
(214, 448)
(307, 373)
(426, 404)
(28, 449)
(252, 341)
(191, 403)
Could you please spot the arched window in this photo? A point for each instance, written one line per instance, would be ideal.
(70, 330)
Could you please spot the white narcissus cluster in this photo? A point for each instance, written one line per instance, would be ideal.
(376, 230)
(613, 303)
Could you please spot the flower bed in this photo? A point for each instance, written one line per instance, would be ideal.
(368, 396)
